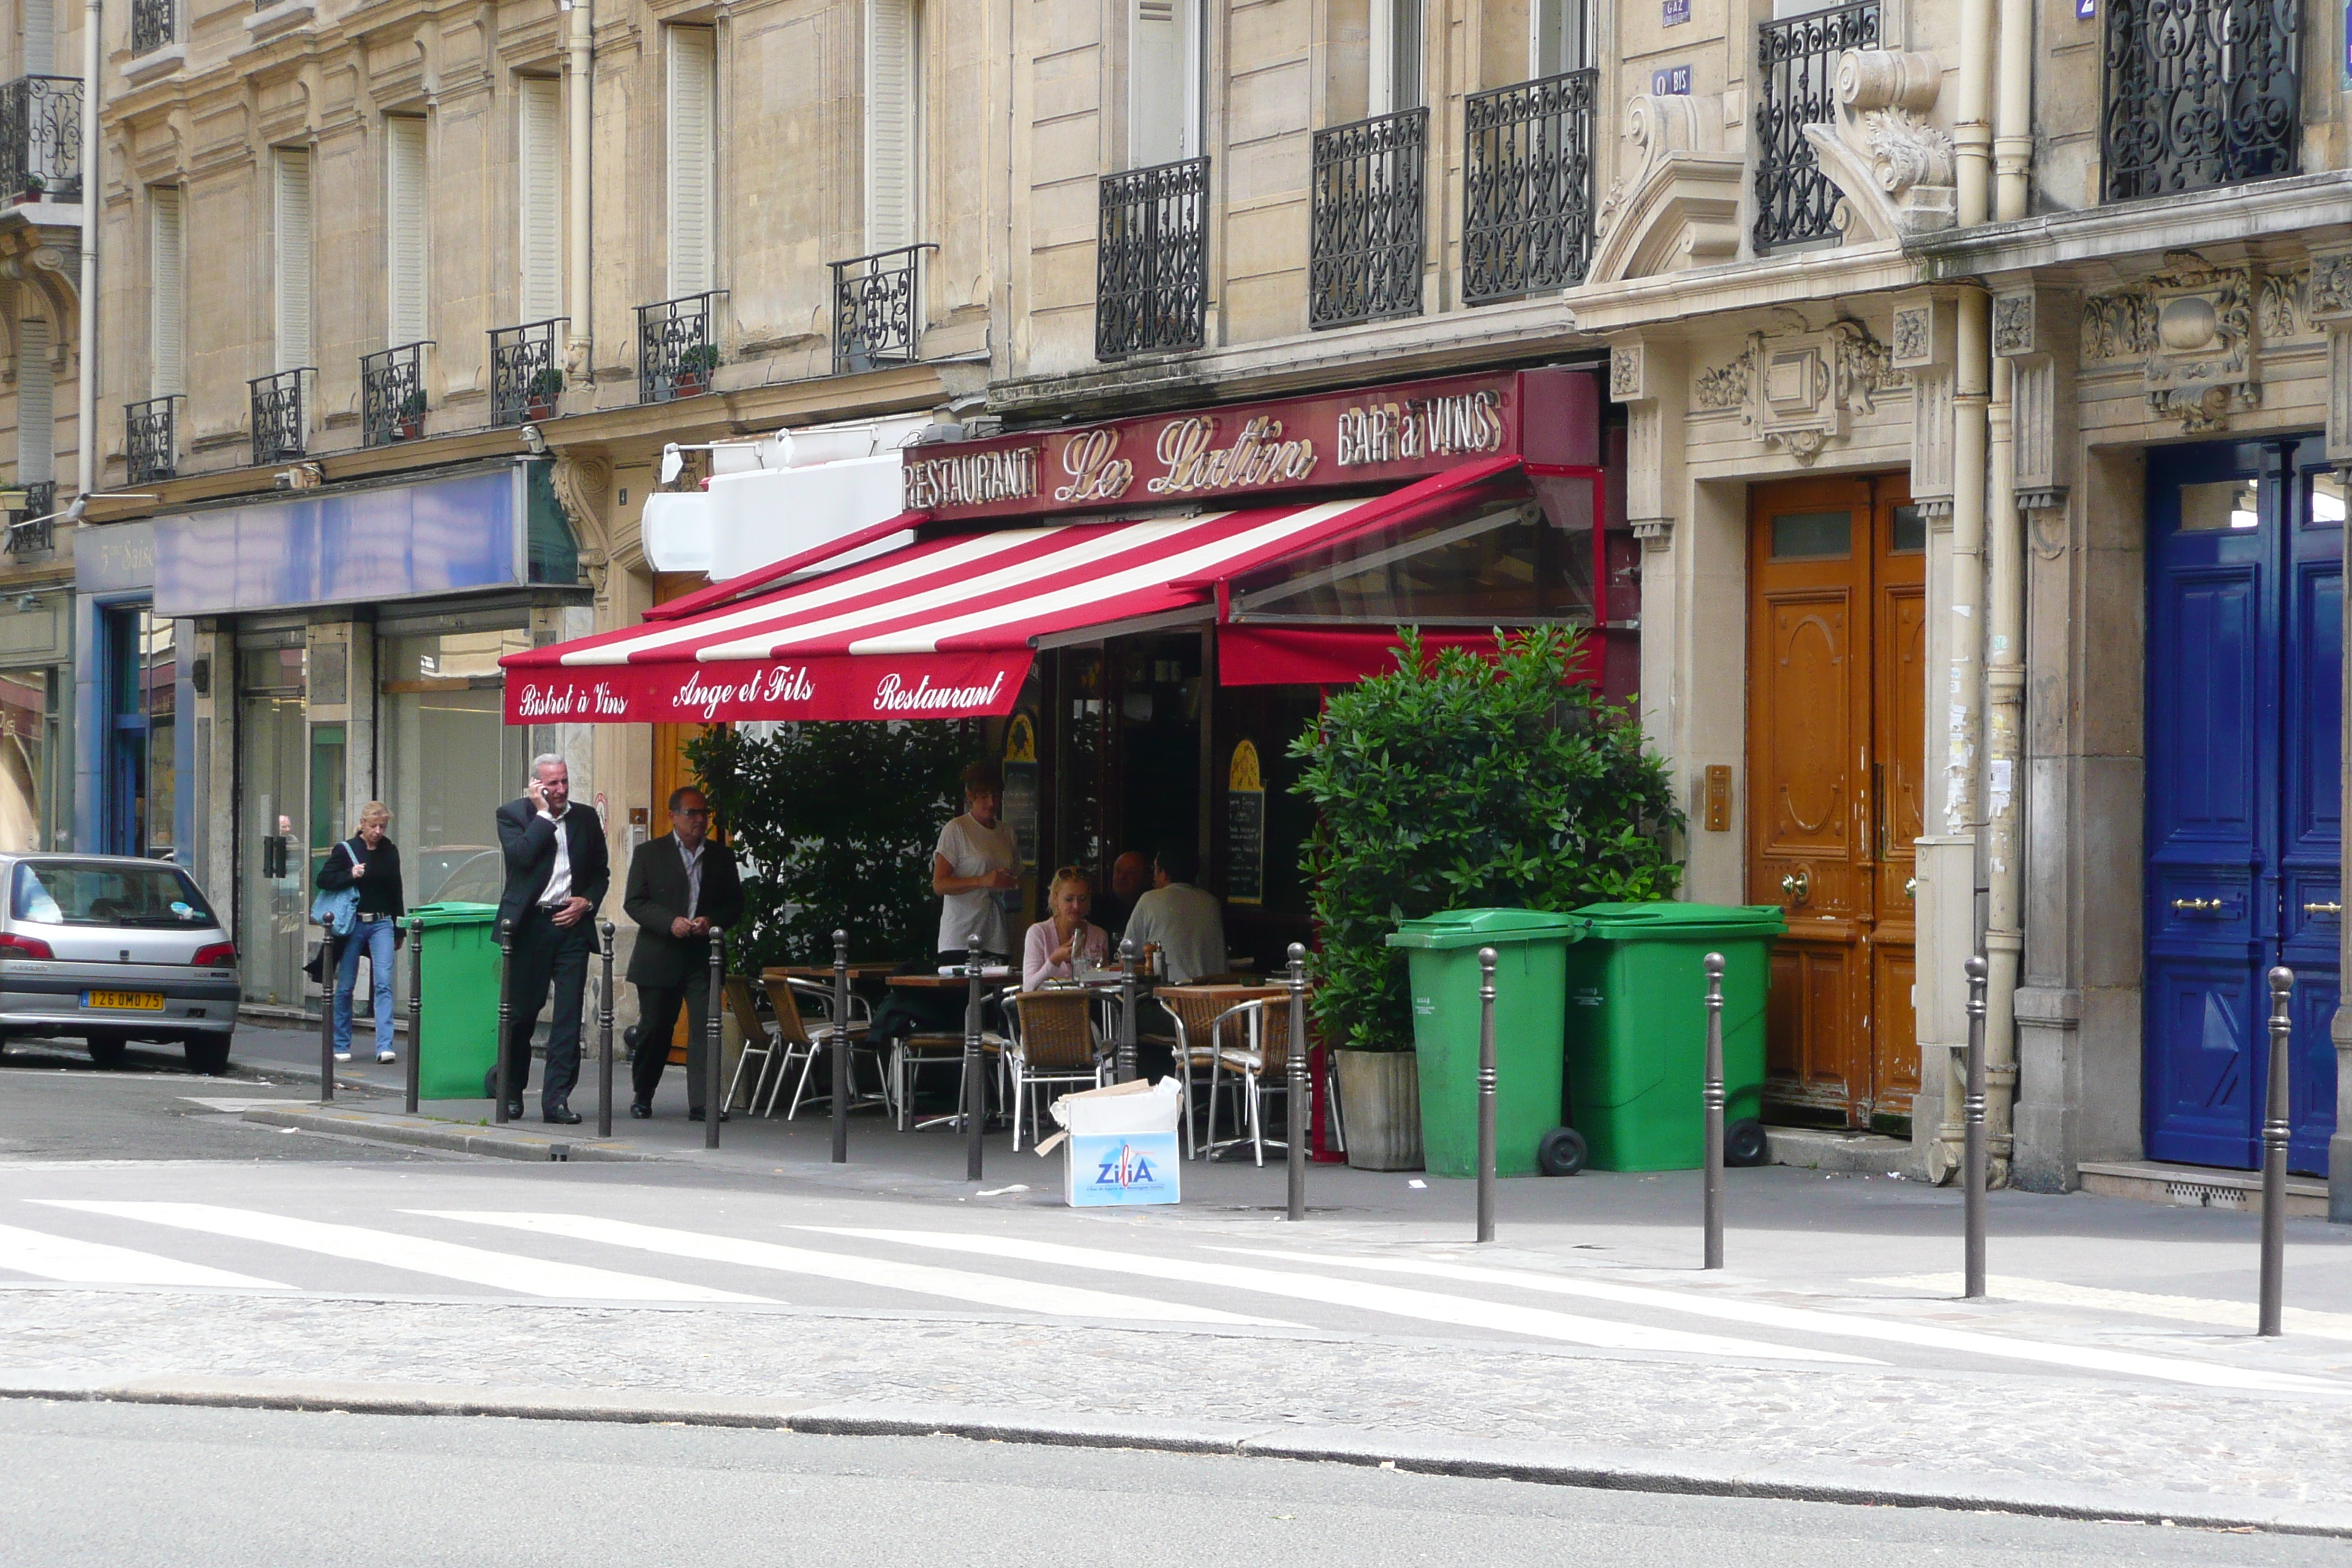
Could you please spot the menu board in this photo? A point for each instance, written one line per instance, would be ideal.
(1244, 828)
(1019, 803)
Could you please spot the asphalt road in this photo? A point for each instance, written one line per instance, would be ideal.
(120, 1484)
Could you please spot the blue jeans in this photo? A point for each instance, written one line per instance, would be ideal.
(376, 938)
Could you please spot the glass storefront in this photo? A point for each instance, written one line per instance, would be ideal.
(29, 760)
(446, 759)
(142, 783)
(273, 827)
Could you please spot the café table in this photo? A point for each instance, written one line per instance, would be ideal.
(995, 980)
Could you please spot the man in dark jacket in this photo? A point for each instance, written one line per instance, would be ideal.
(680, 886)
(557, 872)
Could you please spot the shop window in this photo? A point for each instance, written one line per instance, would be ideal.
(554, 554)
(446, 760)
(28, 759)
(140, 787)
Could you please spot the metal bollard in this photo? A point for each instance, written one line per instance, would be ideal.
(840, 1049)
(714, 1059)
(604, 1030)
(1711, 1095)
(1124, 1071)
(975, 1087)
(505, 1069)
(1972, 1153)
(2276, 1131)
(1486, 1094)
(416, 1013)
(1298, 1111)
(327, 966)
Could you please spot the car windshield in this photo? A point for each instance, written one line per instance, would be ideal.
(102, 893)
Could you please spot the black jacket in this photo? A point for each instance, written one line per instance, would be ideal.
(528, 840)
(655, 894)
(379, 891)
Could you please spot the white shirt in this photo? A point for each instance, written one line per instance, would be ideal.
(1188, 924)
(693, 859)
(971, 850)
(559, 880)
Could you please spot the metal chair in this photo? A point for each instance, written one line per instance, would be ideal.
(807, 1039)
(1052, 1040)
(735, 996)
(1248, 1039)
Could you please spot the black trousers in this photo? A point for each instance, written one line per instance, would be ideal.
(548, 956)
(657, 1008)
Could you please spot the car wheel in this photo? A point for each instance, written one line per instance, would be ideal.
(206, 1054)
(106, 1050)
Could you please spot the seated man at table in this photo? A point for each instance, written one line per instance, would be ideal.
(1185, 921)
(1130, 874)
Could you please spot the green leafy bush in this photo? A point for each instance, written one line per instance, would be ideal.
(834, 824)
(1468, 784)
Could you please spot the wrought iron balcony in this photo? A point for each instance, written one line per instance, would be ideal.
(40, 139)
(392, 395)
(877, 313)
(151, 24)
(2199, 93)
(281, 406)
(526, 372)
(1526, 194)
(1796, 60)
(1151, 264)
(150, 442)
(35, 528)
(676, 350)
(1365, 223)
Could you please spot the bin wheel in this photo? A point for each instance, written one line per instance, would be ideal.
(1561, 1153)
(1743, 1142)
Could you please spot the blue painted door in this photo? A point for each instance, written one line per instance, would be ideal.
(2244, 722)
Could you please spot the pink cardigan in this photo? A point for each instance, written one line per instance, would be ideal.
(1093, 944)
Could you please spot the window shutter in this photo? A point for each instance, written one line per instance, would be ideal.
(1559, 44)
(403, 145)
(36, 404)
(1162, 89)
(893, 124)
(541, 165)
(692, 66)
(291, 217)
(166, 306)
(40, 37)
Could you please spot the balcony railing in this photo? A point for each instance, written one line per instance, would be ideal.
(151, 24)
(877, 313)
(1151, 265)
(34, 529)
(2199, 93)
(40, 139)
(1365, 222)
(392, 395)
(280, 415)
(149, 443)
(676, 350)
(526, 372)
(1796, 60)
(1527, 219)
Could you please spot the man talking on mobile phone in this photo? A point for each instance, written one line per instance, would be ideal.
(557, 872)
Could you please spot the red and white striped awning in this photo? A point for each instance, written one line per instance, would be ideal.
(941, 628)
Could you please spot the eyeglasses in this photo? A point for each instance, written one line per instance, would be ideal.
(692, 811)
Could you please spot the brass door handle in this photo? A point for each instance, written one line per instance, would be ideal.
(2330, 910)
(1911, 889)
(2197, 906)
(1796, 887)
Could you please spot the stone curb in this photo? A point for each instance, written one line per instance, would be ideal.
(426, 1132)
(1606, 1469)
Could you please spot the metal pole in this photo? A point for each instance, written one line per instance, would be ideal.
(327, 966)
(1124, 1071)
(604, 1031)
(713, 1057)
(1711, 1095)
(1486, 1094)
(415, 1013)
(2275, 1132)
(1295, 1096)
(505, 1070)
(975, 1090)
(841, 1048)
(1972, 1154)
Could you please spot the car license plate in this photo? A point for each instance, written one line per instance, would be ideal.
(136, 1001)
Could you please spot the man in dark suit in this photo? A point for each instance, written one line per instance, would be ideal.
(680, 886)
(557, 872)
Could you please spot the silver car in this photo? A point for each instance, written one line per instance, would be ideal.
(115, 949)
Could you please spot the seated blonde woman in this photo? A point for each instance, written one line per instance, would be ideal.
(1061, 943)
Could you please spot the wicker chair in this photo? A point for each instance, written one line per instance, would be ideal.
(1053, 1040)
(736, 998)
(805, 1040)
(1246, 1039)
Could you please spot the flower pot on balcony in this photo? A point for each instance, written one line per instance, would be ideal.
(689, 383)
(538, 408)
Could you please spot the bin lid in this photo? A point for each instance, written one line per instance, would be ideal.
(1676, 921)
(452, 914)
(1485, 927)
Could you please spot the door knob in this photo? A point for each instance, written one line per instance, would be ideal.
(1796, 887)
(2331, 911)
(2196, 906)
(1911, 889)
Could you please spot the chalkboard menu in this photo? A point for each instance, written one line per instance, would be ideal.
(1244, 828)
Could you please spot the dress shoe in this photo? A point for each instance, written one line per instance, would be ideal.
(562, 1116)
(696, 1115)
(514, 1110)
(640, 1110)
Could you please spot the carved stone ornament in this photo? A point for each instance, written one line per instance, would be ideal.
(2328, 295)
(1726, 386)
(582, 483)
(2012, 323)
(2193, 325)
(1625, 373)
(1679, 205)
(1798, 392)
(1894, 167)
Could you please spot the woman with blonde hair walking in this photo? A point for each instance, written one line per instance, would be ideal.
(369, 862)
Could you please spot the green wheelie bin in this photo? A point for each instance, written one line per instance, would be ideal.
(458, 945)
(1530, 947)
(1637, 1031)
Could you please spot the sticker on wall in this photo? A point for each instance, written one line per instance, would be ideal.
(1671, 81)
(1676, 12)
(1020, 802)
(2085, 9)
(1244, 828)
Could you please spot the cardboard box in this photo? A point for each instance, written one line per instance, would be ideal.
(1121, 1144)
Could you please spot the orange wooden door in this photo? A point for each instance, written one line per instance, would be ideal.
(671, 770)
(1836, 745)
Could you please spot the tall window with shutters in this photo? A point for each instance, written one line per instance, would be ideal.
(166, 297)
(1396, 51)
(894, 123)
(40, 19)
(1559, 39)
(290, 246)
(405, 234)
(538, 160)
(35, 409)
(1163, 81)
(692, 137)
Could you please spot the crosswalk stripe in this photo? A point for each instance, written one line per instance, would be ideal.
(75, 1262)
(2239, 1315)
(449, 1260)
(1427, 1306)
(1839, 1325)
(984, 1289)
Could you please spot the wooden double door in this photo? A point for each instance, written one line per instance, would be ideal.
(1837, 691)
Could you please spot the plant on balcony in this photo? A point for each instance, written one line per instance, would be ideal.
(411, 415)
(694, 368)
(539, 393)
(33, 186)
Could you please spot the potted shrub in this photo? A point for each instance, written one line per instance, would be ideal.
(34, 187)
(1459, 782)
(539, 396)
(694, 368)
(410, 420)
